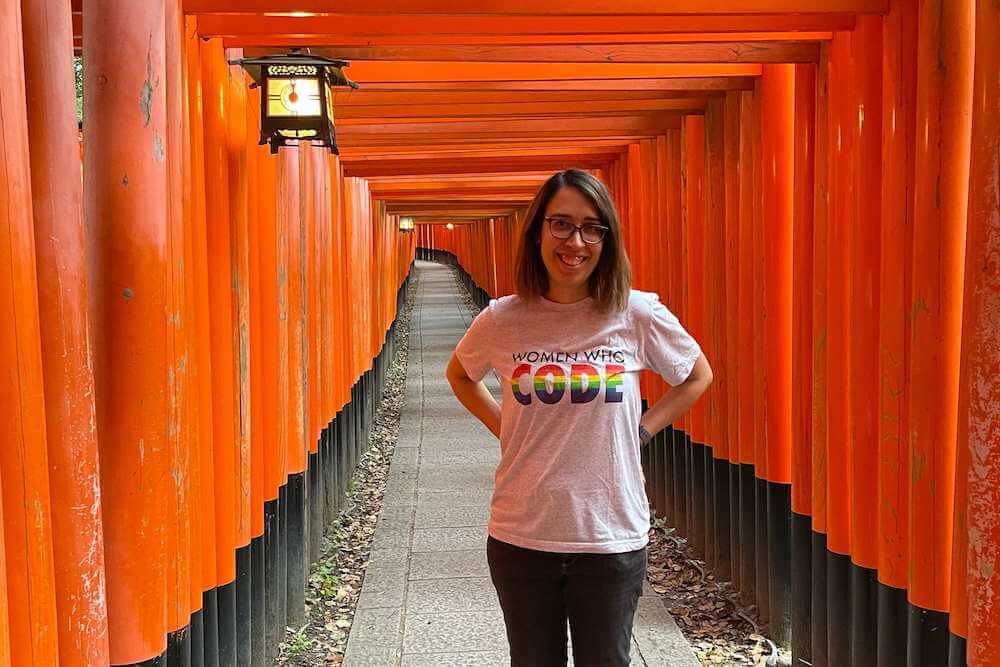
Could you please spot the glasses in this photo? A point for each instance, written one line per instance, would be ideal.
(590, 233)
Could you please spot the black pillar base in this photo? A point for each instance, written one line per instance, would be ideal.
(957, 651)
(748, 534)
(779, 565)
(244, 605)
(801, 572)
(734, 525)
(928, 642)
(269, 582)
(711, 536)
(226, 596)
(198, 638)
(296, 549)
(723, 494)
(210, 625)
(258, 604)
(838, 608)
(179, 648)
(893, 618)
(314, 495)
(697, 495)
(761, 550)
(864, 616)
(680, 518)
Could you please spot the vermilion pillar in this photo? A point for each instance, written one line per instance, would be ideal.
(979, 423)
(941, 191)
(223, 339)
(896, 246)
(177, 531)
(202, 342)
(24, 470)
(777, 173)
(60, 251)
(802, 286)
(125, 209)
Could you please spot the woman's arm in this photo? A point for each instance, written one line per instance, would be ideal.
(679, 399)
(474, 396)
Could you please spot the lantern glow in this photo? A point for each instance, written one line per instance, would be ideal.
(296, 98)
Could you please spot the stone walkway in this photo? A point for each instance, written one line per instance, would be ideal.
(427, 598)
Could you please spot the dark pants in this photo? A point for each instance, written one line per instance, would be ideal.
(540, 590)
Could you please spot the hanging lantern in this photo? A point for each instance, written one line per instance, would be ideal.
(406, 224)
(296, 97)
(450, 226)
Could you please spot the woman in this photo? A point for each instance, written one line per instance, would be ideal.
(569, 518)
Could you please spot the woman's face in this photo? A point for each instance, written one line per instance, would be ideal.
(569, 262)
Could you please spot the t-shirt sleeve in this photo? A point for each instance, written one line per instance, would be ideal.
(473, 351)
(667, 347)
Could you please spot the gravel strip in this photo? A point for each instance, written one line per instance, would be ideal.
(335, 580)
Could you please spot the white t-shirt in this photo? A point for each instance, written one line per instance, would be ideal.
(570, 477)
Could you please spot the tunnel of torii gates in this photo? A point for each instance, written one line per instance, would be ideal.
(196, 332)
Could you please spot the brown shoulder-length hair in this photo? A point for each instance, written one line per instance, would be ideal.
(611, 280)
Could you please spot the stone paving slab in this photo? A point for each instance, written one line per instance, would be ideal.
(449, 564)
(459, 631)
(427, 598)
(470, 659)
(452, 517)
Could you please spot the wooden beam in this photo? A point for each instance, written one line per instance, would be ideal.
(452, 23)
(683, 83)
(534, 7)
(428, 70)
(572, 109)
(681, 52)
(643, 123)
(423, 39)
(397, 205)
(402, 149)
(343, 99)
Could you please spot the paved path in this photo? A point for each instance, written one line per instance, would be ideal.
(427, 598)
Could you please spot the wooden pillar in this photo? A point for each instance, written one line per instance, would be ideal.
(801, 405)
(204, 500)
(125, 209)
(898, 96)
(777, 174)
(979, 422)
(30, 585)
(177, 531)
(60, 253)
(941, 191)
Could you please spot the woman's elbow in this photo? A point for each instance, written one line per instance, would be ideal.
(702, 372)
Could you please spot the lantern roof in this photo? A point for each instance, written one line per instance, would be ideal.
(331, 66)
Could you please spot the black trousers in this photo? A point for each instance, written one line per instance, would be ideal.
(540, 590)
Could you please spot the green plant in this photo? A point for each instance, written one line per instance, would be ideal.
(298, 642)
(326, 580)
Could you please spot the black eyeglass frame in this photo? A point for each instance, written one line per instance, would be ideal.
(576, 228)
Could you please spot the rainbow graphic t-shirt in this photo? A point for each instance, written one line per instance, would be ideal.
(570, 478)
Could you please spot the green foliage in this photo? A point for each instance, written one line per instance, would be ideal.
(298, 642)
(78, 72)
(326, 580)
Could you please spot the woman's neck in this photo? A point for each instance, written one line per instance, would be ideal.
(567, 293)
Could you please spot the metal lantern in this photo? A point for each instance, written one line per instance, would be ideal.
(296, 97)
(406, 224)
